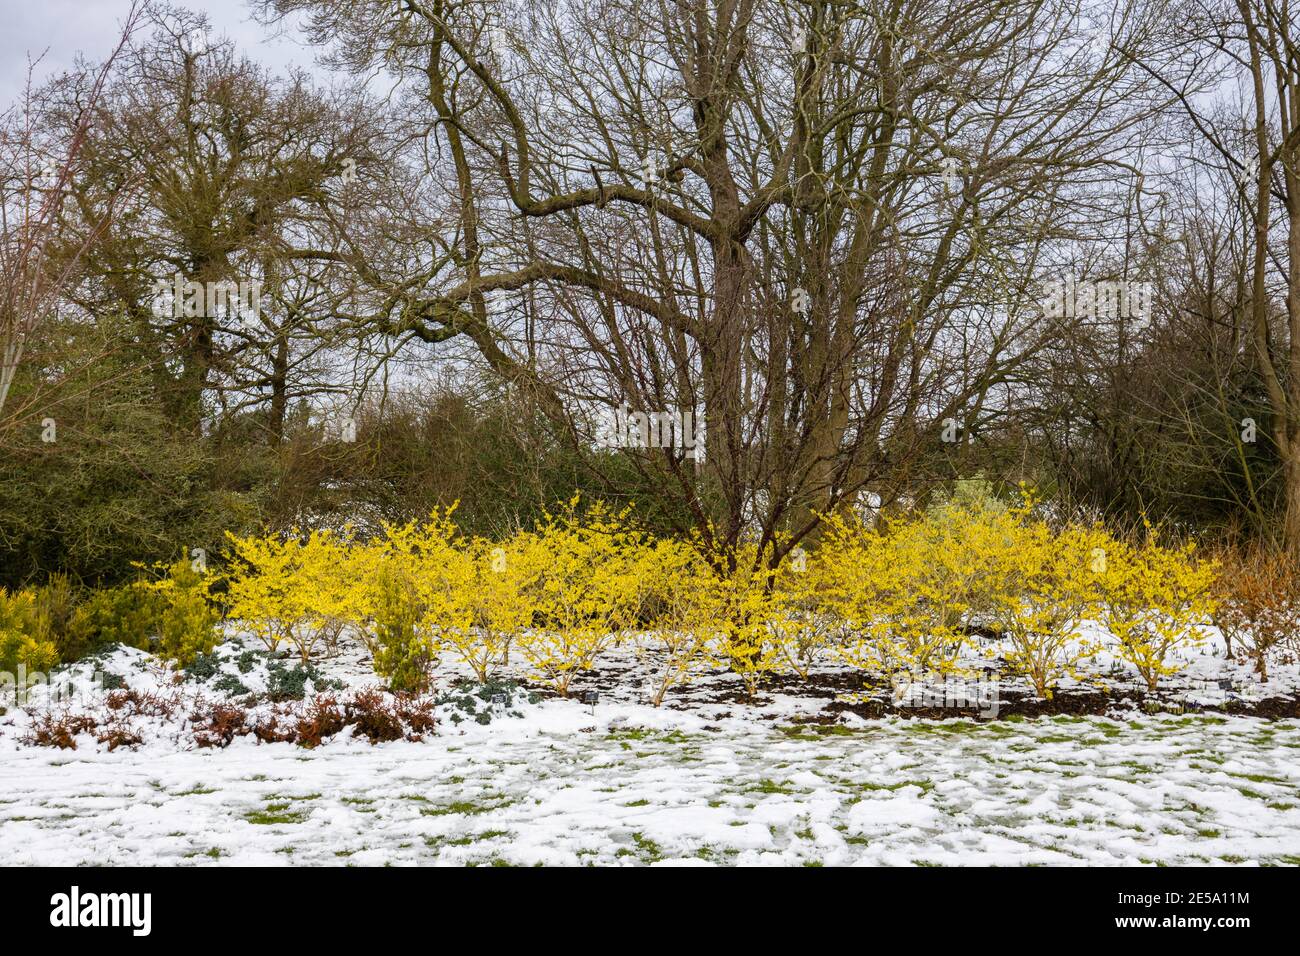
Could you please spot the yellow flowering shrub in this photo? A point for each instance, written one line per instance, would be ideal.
(334, 575)
(954, 542)
(902, 596)
(302, 591)
(481, 602)
(805, 591)
(188, 618)
(675, 581)
(910, 590)
(1153, 600)
(1046, 590)
(263, 589)
(19, 640)
(750, 622)
(584, 592)
(902, 608)
(377, 567)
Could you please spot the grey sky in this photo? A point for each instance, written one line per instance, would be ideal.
(63, 28)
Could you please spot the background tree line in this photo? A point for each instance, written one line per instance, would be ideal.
(822, 227)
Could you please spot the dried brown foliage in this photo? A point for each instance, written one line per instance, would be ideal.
(376, 715)
(323, 718)
(219, 725)
(120, 733)
(136, 703)
(60, 729)
(1258, 591)
(379, 717)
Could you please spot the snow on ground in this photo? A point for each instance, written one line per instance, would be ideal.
(632, 785)
(711, 781)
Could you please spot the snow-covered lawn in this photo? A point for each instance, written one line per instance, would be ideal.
(633, 785)
(708, 778)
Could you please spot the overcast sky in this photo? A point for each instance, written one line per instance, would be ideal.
(63, 28)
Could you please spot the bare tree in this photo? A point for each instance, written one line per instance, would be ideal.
(233, 169)
(35, 173)
(1249, 124)
(820, 226)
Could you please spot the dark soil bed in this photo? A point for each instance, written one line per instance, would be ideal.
(848, 692)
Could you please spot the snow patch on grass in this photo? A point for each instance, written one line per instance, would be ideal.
(642, 786)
